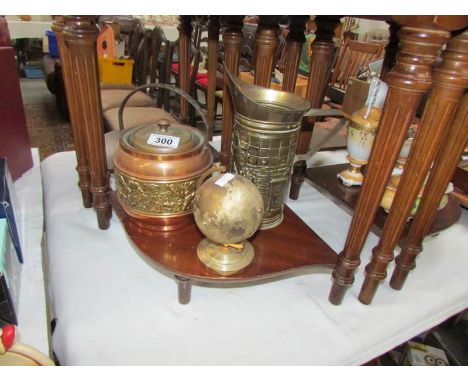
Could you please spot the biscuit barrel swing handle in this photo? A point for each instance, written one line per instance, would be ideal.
(172, 88)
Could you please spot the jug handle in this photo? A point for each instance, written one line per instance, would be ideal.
(217, 167)
(172, 88)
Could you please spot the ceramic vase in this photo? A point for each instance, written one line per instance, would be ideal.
(360, 138)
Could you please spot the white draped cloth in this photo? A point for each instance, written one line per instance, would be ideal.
(113, 308)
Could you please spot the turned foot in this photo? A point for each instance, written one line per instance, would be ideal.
(184, 288)
(297, 178)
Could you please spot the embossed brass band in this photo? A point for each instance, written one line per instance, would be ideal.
(155, 198)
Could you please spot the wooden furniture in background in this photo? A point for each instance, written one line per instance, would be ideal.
(232, 40)
(185, 32)
(323, 49)
(213, 46)
(353, 56)
(295, 39)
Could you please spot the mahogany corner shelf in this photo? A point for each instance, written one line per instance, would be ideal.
(325, 180)
(291, 246)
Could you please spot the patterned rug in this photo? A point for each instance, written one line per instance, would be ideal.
(48, 130)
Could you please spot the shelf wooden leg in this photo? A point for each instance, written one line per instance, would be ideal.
(440, 109)
(184, 289)
(443, 170)
(297, 178)
(407, 82)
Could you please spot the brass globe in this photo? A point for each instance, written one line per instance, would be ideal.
(228, 209)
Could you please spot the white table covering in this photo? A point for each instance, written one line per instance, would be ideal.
(113, 308)
(32, 312)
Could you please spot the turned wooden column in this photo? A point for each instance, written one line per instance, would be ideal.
(407, 82)
(453, 144)
(213, 42)
(84, 180)
(80, 35)
(323, 50)
(444, 168)
(450, 80)
(294, 42)
(266, 43)
(185, 34)
(232, 39)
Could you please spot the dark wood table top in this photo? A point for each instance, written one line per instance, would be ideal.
(281, 250)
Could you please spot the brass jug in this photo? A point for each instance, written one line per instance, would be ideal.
(264, 138)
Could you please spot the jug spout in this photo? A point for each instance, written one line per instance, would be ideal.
(263, 104)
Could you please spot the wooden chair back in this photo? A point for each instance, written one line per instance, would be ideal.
(353, 56)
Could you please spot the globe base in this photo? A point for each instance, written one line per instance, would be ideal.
(225, 259)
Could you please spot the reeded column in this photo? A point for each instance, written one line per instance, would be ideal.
(266, 43)
(84, 181)
(294, 42)
(80, 35)
(232, 39)
(407, 82)
(323, 49)
(450, 80)
(454, 142)
(185, 34)
(213, 42)
(444, 168)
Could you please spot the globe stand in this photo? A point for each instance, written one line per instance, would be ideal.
(225, 259)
